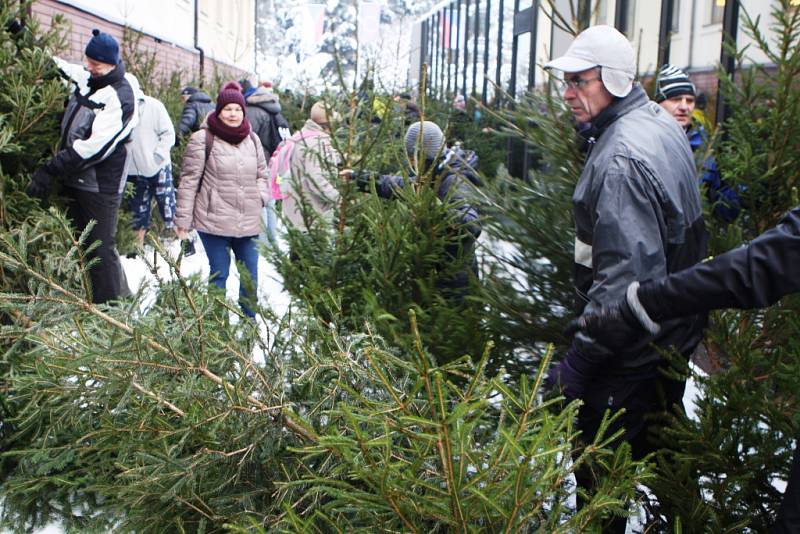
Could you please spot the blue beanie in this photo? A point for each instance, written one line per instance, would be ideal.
(103, 48)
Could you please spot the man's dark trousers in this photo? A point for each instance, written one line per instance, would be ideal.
(106, 275)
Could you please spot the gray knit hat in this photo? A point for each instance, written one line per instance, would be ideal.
(672, 81)
(432, 139)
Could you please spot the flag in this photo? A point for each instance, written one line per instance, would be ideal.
(369, 22)
(314, 25)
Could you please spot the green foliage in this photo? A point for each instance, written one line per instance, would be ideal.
(31, 96)
(529, 282)
(757, 147)
(379, 257)
(420, 454)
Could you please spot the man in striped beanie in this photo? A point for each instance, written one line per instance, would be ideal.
(676, 94)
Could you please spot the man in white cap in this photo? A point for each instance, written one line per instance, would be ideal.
(638, 216)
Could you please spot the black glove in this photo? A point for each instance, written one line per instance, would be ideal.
(615, 326)
(39, 186)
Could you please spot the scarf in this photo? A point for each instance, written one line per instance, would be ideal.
(227, 133)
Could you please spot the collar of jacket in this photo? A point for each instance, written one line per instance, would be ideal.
(107, 79)
(311, 125)
(619, 107)
(262, 96)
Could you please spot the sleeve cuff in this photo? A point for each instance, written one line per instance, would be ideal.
(638, 309)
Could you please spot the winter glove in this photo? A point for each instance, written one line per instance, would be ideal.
(363, 180)
(39, 186)
(572, 374)
(618, 325)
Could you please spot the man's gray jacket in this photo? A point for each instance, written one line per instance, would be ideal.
(638, 216)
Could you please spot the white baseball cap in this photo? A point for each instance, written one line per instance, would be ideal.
(601, 46)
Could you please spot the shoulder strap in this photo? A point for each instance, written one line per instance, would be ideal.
(255, 141)
(209, 146)
(209, 142)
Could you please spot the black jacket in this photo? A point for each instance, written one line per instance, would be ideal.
(266, 120)
(751, 276)
(98, 120)
(194, 112)
(638, 215)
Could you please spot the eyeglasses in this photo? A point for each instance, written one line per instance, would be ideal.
(574, 83)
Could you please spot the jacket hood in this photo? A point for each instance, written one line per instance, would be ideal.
(199, 96)
(265, 100)
(137, 89)
(311, 125)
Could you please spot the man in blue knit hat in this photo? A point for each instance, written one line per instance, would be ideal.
(91, 161)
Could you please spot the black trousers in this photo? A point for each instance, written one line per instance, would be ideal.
(646, 403)
(788, 521)
(107, 276)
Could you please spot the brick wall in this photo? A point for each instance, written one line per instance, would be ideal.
(170, 57)
(705, 81)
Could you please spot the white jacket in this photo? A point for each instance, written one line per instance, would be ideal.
(152, 139)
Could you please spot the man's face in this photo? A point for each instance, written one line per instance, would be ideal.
(96, 68)
(585, 94)
(680, 107)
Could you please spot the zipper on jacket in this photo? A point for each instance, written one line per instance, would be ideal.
(591, 142)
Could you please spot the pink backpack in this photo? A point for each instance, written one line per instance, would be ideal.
(280, 171)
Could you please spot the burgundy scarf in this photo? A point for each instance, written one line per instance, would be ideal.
(233, 136)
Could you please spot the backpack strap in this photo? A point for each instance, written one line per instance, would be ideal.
(256, 143)
(209, 142)
(209, 146)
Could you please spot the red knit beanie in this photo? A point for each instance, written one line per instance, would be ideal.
(231, 92)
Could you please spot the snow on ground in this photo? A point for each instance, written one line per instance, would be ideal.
(270, 285)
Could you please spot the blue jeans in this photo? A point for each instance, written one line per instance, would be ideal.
(218, 249)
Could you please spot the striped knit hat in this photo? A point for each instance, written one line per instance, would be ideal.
(672, 81)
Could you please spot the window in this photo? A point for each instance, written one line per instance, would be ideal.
(675, 24)
(717, 11)
(602, 12)
(624, 16)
